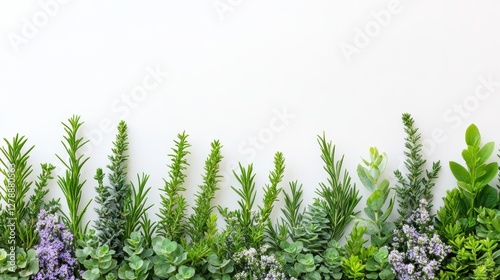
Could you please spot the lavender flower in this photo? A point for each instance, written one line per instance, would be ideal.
(417, 250)
(258, 265)
(54, 250)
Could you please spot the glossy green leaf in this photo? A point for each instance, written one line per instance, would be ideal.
(472, 135)
(460, 173)
(491, 170)
(487, 197)
(485, 152)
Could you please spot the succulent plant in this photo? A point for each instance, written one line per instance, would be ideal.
(22, 266)
(97, 260)
(137, 263)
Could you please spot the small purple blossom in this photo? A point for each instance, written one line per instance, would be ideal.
(54, 250)
(417, 250)
(258, 264)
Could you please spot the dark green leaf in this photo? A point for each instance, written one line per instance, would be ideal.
(487, 197)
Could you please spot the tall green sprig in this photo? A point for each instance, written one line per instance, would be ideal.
(474, 178)
(462, 204)
(339, 195)
(173, 203)
(256, 221)
(198, 221)
(135, 207)
(37, 203)
(286, 227)
(202, 224)
(271, 191)
(24, 212)
(15, 169)
(71, 183)
(111, 199)
(247, 194)
(416, 184)
(246, 227)
(369, 173)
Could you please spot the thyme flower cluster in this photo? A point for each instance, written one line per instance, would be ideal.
(258, 265)
(417, 250)
(54, 250)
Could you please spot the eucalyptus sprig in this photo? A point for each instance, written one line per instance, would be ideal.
(377, 225)
(416, 184)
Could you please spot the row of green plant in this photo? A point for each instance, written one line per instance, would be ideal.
(40, 241)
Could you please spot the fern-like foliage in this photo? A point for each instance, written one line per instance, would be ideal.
(173, 204)
(110, 224)
(416, 184)
(339, 195)
(71, 183)
(198, 221)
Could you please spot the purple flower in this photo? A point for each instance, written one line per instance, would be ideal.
(54, 250)
(417, 250)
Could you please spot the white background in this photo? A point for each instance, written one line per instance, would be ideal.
(346, 68)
